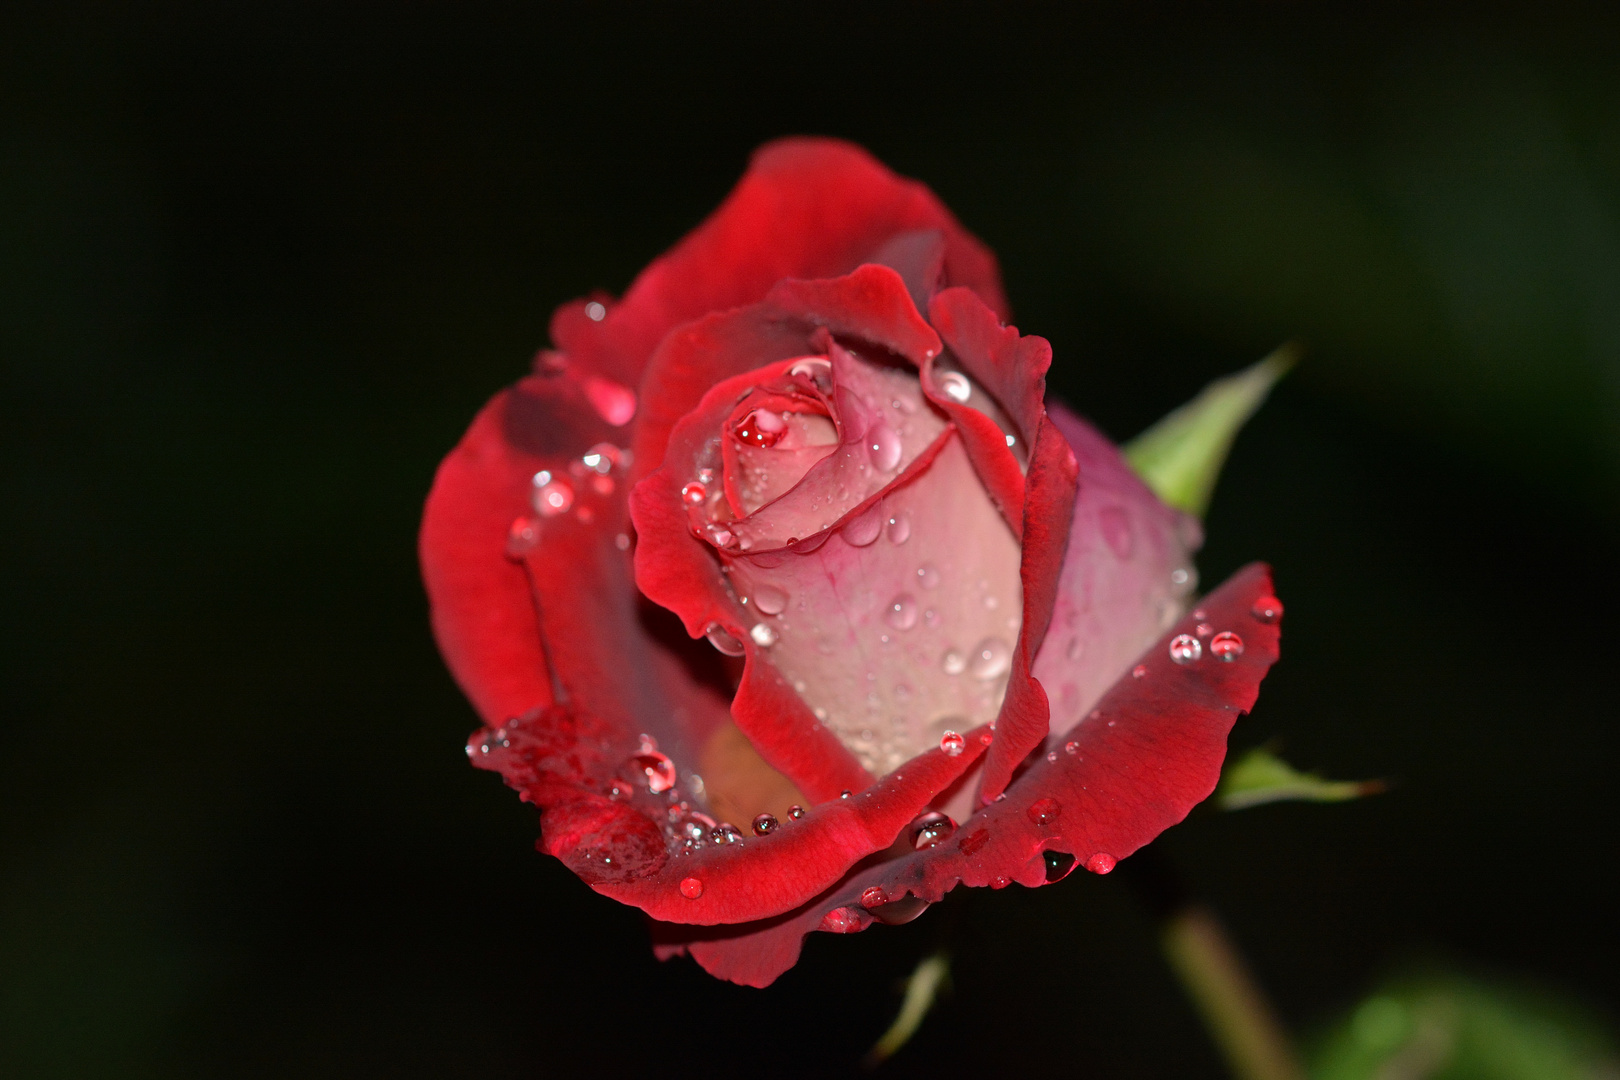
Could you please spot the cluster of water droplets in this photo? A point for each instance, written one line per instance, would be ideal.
(578, 489)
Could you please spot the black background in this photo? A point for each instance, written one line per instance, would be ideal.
(259, 265)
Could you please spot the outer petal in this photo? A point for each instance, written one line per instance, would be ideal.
(806, 208)
(1150, 752)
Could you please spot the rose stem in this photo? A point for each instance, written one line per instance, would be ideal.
(1235, 1011)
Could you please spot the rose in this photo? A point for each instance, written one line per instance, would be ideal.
(950, 622)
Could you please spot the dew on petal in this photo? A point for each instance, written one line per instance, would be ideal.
(795, 811)
(930, 829)
(1203, 629)
(952, 743)
(763, 635)
(1100, 863)
(1057, 865)
(693, 493)
(595, 312)
(1226, 646)
(841, 921)
(770, 600)
(953, 662)
(990, 659)
(1184, 648)
(865, 529)
(1044, 811)
(1268, 609)
(719, 535)
(764, 825)
(899, 530)
(956, 386)
(883, 447)
(901, 612)
(655, 769)
(722, 639)
(691, 888)
(725, 833)
(522, 536)
(1071, 748)
(1000, 881)
(614, 403)
(552, 497)
(872, 896)
(928, 576)
(1138, 671)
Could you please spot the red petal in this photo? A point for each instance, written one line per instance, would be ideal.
(1151, 752)
(806, 208)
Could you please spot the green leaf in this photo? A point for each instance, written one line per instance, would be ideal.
(921, 990)
(1262, 777)
(1181, 456)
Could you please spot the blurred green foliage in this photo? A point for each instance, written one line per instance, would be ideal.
(1444, 1026)
(1260, 776)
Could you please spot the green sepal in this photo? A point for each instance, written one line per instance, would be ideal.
(1181, 456)
(1262, 777)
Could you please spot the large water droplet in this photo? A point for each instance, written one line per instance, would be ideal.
(725, 833)
(691, 888)
(956, 386)
(872, 896)
(761, 428)
(1044, 811)
(1226, 646)
(953, 662)
(952, 743)
(1116, 530)
(553, 497)
(899, 528)
(1100, 863)
(928, 576)
(931, 828)
(764, 825)
(763, 635)
(655, 769)
(864, 529)
(693, 493)
(1184, 648)
(722, 639)
(991, 658)
(1268, 609)
(770, 600)
(883, 446)
(1058, 865)
(901, 612)
(795, 811)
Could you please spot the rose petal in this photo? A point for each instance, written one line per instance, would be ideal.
(1152, 752)
(806, 208)
(1116, 593)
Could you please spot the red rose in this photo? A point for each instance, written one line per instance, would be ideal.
(951, 624)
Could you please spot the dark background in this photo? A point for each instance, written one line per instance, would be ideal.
(259, 265)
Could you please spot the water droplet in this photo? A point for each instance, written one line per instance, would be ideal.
(763, 635)
(770, 600)
(865, 529)
(522, 536)
(1226, 646)
(844, 794)
(1051, 755)
(694, 493)
(883, 447)
(928, 576)
(719, 535)
(764, 825)
(1071, 748)
(1000, 881)
(872, 896)
(622, 541)
(955, 386)
(931, 828)
(985, 736)
(656, 770)
(901, 612)
(1138, 671)
(1184, 648)
(1268, 609)
(991, 659)
(1180, 576)
(1116, 530)
(1203, 629)
(722, 639)
(973, 841)
(952, 743)
(761, 428)
(841, 921)
(725, 833)
(552, 497)
(899, 528)
(1100, 863)
(953, 662)
(1044, 811)
(1058, 865)
(614, 403)
(795, 811)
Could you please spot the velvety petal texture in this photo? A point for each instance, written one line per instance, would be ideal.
(778, 564)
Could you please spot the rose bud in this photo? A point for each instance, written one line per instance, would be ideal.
(790, 602)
